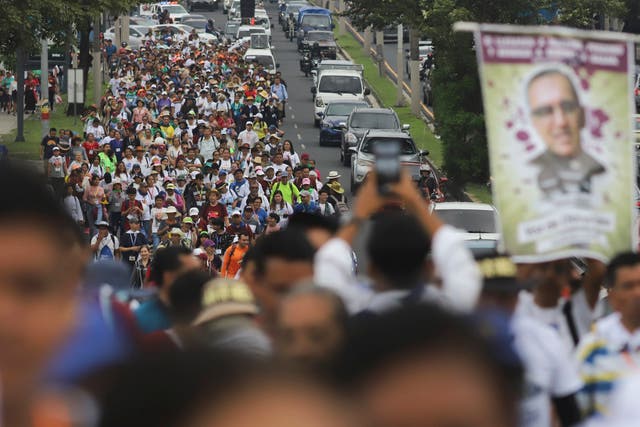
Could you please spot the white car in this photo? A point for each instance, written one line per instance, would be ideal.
(202, 34)
(136, 34)
(248, 30)
(479, 220)
(180, 32)
(263, 57)
(176, 11)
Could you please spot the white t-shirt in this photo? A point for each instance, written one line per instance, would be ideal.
(107, 247)
(555, 318)
(549, 370)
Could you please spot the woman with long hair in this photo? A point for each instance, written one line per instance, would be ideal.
(141, 268)
(139, 112)
(280, 207)
(288, 153)
(175, 150)
(122, 175)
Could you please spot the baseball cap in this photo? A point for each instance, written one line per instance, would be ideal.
(304, 193)
(194, 212)
(102, 224)
(225, 297)
(236, 212)
(171, 209)
(187, 220)
(208, 243)
(306, 181)
(171, 187)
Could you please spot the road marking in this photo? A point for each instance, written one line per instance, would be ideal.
(293, 116)
(303, 146)
(299, 137)
(290, 107)
(295, 126)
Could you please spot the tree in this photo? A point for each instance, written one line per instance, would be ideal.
(456, 86)
(24, 23)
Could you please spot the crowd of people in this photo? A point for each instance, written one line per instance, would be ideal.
(185, 150)
(183, 265)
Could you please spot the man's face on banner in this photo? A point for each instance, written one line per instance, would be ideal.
(556, 113)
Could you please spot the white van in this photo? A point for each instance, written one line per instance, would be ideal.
(263, 57)
(337, 84)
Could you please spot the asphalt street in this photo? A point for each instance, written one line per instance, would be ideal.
(298, 124)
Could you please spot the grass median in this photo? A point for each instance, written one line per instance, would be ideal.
(30, 148)
(385, 91)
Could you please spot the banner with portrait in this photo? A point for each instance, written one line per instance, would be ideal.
(559, 113)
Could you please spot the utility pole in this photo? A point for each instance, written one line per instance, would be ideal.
(97, 61)
(124, 22)
(44, 86)
(342, 20)
(380, 52)
(117, 30)
(20, 57)
(400, 68)
(367, 41)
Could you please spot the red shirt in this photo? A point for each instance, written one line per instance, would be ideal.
(91, 148)
(209, 211)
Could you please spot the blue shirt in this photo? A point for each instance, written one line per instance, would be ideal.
(152, 316)
(312, 207)
(118, 148)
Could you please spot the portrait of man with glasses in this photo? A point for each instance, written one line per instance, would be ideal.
(558, 117)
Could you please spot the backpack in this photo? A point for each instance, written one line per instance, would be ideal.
(341, 205)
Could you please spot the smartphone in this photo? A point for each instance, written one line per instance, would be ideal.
(387, 165)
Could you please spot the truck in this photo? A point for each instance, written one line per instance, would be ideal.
(337, 81)
(312, 18)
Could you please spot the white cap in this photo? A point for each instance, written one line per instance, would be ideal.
(194, 211)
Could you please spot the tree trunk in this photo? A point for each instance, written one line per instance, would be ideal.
(84, 54)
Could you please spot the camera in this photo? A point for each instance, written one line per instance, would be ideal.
(387, 165)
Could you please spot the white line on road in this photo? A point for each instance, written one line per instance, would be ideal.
(299, 137)
(293, 116)
(295, 126)
(290, 107)
(304, 147)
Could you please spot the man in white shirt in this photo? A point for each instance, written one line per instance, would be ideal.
(105, 246)
(459, 274)
(571, 318)
(208, 144)
(550, 376)
(248, 136)
(278, 164)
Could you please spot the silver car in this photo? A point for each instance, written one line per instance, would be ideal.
(363, 157)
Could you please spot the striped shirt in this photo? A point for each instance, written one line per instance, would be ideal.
(605, 355)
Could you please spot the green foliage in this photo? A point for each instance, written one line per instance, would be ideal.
(23, 23)
(580, 13)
